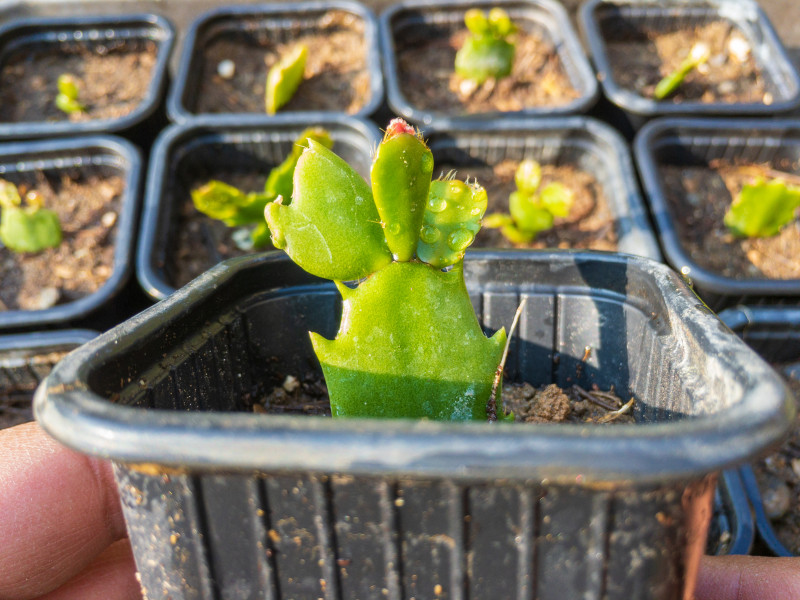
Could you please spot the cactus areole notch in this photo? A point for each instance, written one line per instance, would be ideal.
(409, 344)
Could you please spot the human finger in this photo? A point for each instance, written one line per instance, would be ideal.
(748, 578)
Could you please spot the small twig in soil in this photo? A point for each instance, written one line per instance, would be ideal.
(491, 406)
(593, 399)
(617, 413)
(587, 352)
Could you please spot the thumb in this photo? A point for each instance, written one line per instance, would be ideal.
(748, 578)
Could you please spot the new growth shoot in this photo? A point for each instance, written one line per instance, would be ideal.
(284, 78)
(236, 208)
(67, 99)
(533, 207)
(487, 52)
(409, 344)
(26, 227)
(699, 54)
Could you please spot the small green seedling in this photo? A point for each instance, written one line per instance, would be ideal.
(28, 228)
(533, 207)
(409, 344)
(284, 78)
(68, 92)
(487, 52)
(763, 208)
(699, 54)
(236, 208)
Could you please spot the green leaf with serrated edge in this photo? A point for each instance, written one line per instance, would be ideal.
(29, 229)
(528, 213)
(763, 209)
(230, 205)
(401, 176)
(284, 78)
(331, 228)
(556, 198)
(410, 347)
(280, 180)
(452, 220)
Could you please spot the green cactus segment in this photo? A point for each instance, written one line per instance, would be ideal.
(410, 347)
(763, 209)
(451, 222)
(67, 98)
(280, 180)
(26, 229)
(284, 78)
(486, 52)
(331, 228)
(401, 177)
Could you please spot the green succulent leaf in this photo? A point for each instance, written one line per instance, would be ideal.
(280, 180)
(528, 176)
(9, 195)
(556, 198)
(762, 209)
(486, 52)
(410, 347)
(284, 78)
(29, 229)
(699, 54)
(401, 177)
(230, 205)
(452, 220)
(332, 228)
(68, 92)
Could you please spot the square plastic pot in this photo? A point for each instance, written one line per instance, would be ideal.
(142, 122)
(225, 503)
(677, 141)
(261, 23)
(587, 144)
(602, 20)
(544, 17)
(60, 156)
(775, 334)
(25, 360)
(212, 145)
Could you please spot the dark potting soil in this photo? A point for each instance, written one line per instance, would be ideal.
(200, 242)
(87, 202)
(426, 57)
(546, 404)
(336, 75)
(590, 224)
(112, 78)
(778, 475)
(640, 58)
(699, 197)
(18, 380)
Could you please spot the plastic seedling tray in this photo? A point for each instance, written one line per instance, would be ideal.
(543, 17)
(93, 34)
(56, 158)
(222, 501)
(198, 151)
(585, 143)
(775, 334)
(255, 28)
(695, 142)
(604, 20)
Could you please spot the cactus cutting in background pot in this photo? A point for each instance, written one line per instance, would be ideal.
(409, 344)
(487, 51)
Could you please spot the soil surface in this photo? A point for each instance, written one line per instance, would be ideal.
(336, 76)
(426, 58)
(201, 242)
(20, 378)
(590, 225)
(778, 475)
(112, 78)
(87, 202)
(699, 198)
(640, 59)
(546, 404)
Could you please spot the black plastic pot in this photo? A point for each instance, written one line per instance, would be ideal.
(693, 142)
(602, 20)
(589, 145)
(545, 17)
(54, 158)
(25, 360)
(217, 144)
(732, 530)
(224, 503)
(775, 334)
(259, 24)
(142, 122)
